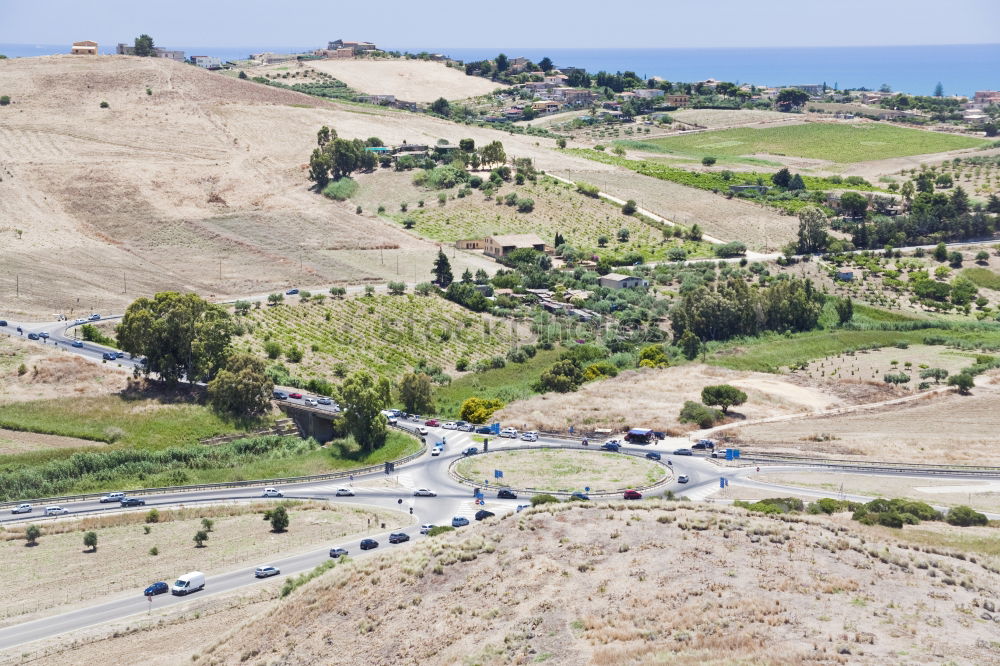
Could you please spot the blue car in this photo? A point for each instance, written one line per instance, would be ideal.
(292, 292)
(156, 588)
(78, 343)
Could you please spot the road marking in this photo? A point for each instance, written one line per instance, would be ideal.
(992, 487)
(699, 493)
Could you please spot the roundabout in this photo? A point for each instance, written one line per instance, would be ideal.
(561, 470)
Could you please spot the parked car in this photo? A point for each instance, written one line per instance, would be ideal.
(109, 356)
(3, 322)
(55, 511)
(653, 455)
(522, 507)
(424, 492)
(704, 444)
(450, 425)
(132, 501)
(471, 451)
(271, 492)
(484, 430)
(77, 343)
(683, 452)
(398, 537)
(279, 395)
(432, 423)
(44, 335)
(504, 493)
(424, 529)
(338, 552)
(188, 583)
(509, 433)
(156, 588)
(466, 427)
(613, 446)
(95, 317)
(632, 494)
(266, 571)
(483, 514)
(368, 544)
(345, 492)
(459, 521)
(295, 396)
(683, 478)
(291, 292)
(119, 354)
(530, 436)
(580, 496)
(79, 321)
(112, 497)
(22, 508)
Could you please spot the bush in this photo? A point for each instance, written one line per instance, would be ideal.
(525, 205)
(588, 190)
(630, 207)
(105, 105)
(964, 516)
(440, 529)
(708, 161)
(695, 412)
(152, 516)
(200, 537)
(90, 540)
(341, 189)
(545, 498)
(4, 100)
(272, 349)
(32, 533)
(478, 410)
(279, 519)
(731, 249)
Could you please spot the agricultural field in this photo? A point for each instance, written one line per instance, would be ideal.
(872, 365)
(61, 572)
(384, 334)
(840, 143)
(564, 471)
(978, 176)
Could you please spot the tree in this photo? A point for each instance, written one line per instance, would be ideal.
(467, 276)
(629, 207)
(442, 270)
(478, 410)
(200, 537)
(789, 98)
(31, 534)
(963, 381)
(415, 393)
(724, 396)
(653, 356)
(939, 90)
(180, 335)
(812, 230)
(853, 204)
(937, 374)
(441, 106)
(242, 75)
(501, 63)
(90, 541)
(941, 252)
(955, 259)
(279, 519)
(363, 398)
(695, 412)
(5, 100)
(796, 183)
(690, 345)
(207, 523)
(467, 145)
(241, 307)
(242, 387)
(845, 310)
(560, 143)
(144, 46)
(493, 153)
(563, 377)
(397, 288)
(907, 190)
(708, 161)
(545, 64)
(782, 177)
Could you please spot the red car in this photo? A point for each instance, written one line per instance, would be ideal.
(295, 396)
(434, 423)
(632, 494)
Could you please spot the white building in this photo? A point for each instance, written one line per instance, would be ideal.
(208, 62)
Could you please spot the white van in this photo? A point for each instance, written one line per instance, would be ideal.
(189, 582)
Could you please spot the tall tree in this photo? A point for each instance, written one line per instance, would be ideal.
(812, 230)
(415, 393)
(441, 106)
(242, 387)
(690, 345)
(782, 177)
(363, 399)
(939, 90)
(442, 270)
(724, 396)
(144, 46)
(545, 64)
(493, 153)
(853, 204)
(501, 63)
(179, 334)
(790, 98)
(845, 310)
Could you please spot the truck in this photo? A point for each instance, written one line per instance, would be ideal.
(188, 583)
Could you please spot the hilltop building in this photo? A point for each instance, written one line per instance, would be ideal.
(84, 48)
(178, 56)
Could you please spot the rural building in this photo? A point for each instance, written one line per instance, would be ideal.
(208, 62)
(677, 100)
(470, 244)
(619, 281)
(269, 58)
(384, 100)
(353, 47)
(814, 89)
(84, 48)
(178, 56)
(515, 65)
(501, 246)
(648, 93)
(576, 96)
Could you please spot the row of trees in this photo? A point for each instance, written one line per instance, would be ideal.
(338, 158)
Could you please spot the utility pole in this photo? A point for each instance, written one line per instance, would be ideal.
(124, 283)
(17, 284)
(220, 270)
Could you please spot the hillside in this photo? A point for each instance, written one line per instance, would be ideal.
(639, 583)
(411, 80)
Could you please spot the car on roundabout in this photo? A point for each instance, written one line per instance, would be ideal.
(399, 537)
(471, 451)
(432, 423)
(368, 544)
(344, 492)
(683, 452)
(483, 514)
(631, 494)
(436, 451)
(653, 455)
(266, 571)
(509, 433)
(424, 492)
(506, 493)
(484, 430)
(338, 552)
(425, 528)
(580, 497)
(450, 425)
(421, 430)
(77, 343)
(459, 521)
(530, 436)
(683, 478)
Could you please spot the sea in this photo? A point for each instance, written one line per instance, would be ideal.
(961, 69)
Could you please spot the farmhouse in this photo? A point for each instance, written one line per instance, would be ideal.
(178, 56)
(84, 48)
(208, 62)
(501, 246)
(648, 93)
(619, 281)
(677, 100)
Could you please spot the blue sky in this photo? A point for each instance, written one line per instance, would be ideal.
(554, 24)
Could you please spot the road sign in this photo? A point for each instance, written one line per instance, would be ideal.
(587, 489)
(495, 428)
(497, 474)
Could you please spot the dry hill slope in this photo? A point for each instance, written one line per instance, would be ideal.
(636, 584)
(410, 80)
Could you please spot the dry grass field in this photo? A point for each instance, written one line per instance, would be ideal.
(61, 572)
(582, 585)
(725, 118)
(411, 80)
(51, 372)
(873, 365)
(653, 398)
(947, 428)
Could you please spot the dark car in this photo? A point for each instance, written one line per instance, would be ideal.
(653, 455)
(683, 452)
(611, 446)
(398, 537)
(44, 335)
(471, 451)
(133, 501)
(156, 588)
(33, 336)
(632, 494)
(292, 292)
(484, 430)
(368, 544)
(3, 322)
(338, 552)
(119, 354)
(77, 343)
(506, 494)
(280, 395)
(483, 514)
(579, 496)
(109, 356)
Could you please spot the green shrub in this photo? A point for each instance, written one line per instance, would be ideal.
(440, 529)
(4, 100)
(544, 498)
(341, 189)
(964, 516)
(695, 412)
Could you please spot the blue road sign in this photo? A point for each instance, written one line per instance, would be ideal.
(498, 474)
(736, 453)
(722, 482)
(495, 428)
(586, 489)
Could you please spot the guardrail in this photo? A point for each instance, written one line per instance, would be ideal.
(981, 471)
(343, 474)
(574, 446)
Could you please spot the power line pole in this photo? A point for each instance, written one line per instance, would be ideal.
(124, 283)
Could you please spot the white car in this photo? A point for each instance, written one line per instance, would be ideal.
(683, 478)
(21, 508)
(509, 433)
(436, 451)
(80, 321)
(271, 492)
(312, 402)
(112, 497)
(530, 436)
(423, 492)
(450, 425)
(422, 430)
(345, 492)
(266, 571)
(55, 511)
(424, 529)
